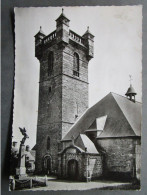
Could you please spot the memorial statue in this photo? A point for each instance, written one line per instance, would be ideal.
(23, 131)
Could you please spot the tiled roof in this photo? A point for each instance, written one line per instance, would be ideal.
(123, 118)
(132, 112)
(84, 142)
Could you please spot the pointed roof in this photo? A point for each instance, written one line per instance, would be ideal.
(123, 118)
(62, 16)
(130, 91)
(40, 32)
(84, 142)
(132, 112)
(88, 32)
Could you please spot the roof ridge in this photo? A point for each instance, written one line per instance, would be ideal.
(124, 97)
(120, 107)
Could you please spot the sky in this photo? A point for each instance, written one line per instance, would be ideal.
(117, 54)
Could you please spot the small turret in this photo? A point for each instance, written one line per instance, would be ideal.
(62, 29)
(38, 43)
(39, 36)
(131, 92)
(89, 41)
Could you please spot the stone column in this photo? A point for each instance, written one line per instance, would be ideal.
(21, 169)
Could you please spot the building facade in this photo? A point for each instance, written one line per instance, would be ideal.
(63, 88)
(113, 126)
(75, 141)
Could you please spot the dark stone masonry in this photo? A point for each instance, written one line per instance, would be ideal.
(74, 141)
(63, 88)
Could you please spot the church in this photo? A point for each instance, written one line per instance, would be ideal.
(74, 141)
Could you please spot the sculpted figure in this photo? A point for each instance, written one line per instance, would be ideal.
(23, 131)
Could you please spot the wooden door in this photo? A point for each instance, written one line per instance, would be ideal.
(73, 169)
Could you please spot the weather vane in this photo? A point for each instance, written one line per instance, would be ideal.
(130, 78)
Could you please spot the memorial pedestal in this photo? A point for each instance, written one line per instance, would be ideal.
(21, 169)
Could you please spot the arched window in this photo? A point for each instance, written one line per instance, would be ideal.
(76, 65)
(48, 143)
(50, 62)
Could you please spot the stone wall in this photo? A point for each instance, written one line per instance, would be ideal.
(89, 165)
(95, 166)
(70, 154)
(74, 88)
(50, 108)
(53, 131)
(138, 159)
(62, 96)
(119, 156)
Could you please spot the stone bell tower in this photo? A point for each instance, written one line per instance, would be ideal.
(63, 87)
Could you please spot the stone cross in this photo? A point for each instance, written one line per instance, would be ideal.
(21, 169)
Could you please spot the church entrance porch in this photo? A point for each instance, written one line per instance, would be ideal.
(47, 165)
(73, 169)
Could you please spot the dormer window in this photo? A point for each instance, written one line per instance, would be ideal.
(76, 65)
(50, 62)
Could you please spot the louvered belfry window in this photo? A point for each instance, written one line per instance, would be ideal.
(76, 65)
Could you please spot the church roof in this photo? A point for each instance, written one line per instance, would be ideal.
(123, 118)
(83, 142)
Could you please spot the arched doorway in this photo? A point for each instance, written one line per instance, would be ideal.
(47, 164)
(73, 171)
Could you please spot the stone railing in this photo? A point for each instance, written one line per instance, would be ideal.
(75, 37)
(50, 37)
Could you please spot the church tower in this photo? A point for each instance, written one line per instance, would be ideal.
(63, 87)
